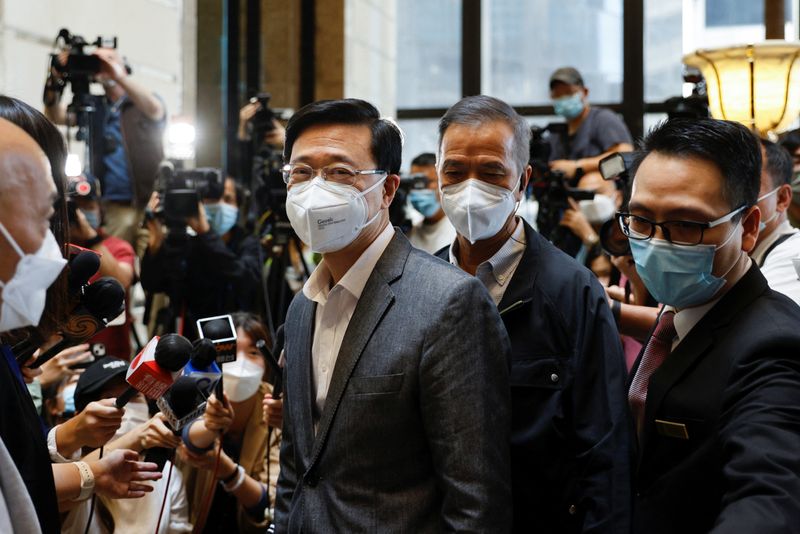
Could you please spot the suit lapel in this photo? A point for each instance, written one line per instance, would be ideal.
(302, 379)
(375, 300)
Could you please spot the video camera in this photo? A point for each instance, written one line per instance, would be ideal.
(617, 167)
(551, 188)
(80, 64)
(182, 190)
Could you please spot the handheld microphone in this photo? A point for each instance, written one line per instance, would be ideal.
(203, 365)
(154, 369)
(222, 332)
(82, 267)
(100, 303)
(181, 404)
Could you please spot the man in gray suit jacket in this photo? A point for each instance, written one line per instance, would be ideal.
(396, 412)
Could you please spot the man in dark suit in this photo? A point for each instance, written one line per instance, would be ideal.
(715, 394)
(396, 416)
(570, 438)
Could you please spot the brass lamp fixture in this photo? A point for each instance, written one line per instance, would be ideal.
(757, 85)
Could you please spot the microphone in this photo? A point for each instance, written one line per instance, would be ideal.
(222, 332)
(100, 303)
(154, 369)
(203, 365)
(82, 267)
(181, 404)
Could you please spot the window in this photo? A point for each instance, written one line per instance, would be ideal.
(421, 135)
(524, 42)
(663, 67)
(428, 53)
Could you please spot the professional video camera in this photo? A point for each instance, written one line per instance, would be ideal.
(397, 209)
(551, 189)
(182, 190)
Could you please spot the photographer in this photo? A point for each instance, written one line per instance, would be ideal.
(592, 133)
(219, 265)
(117, 258)
(434, 231)
(132, 133)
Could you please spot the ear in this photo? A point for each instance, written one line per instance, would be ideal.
(389, 189)
(784, 198)
(523, 181)
(750, 225)
(585, 92)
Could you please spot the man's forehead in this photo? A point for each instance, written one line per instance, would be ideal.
(353, 141)
(494, 138)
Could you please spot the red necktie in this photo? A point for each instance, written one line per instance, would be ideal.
(658, 347)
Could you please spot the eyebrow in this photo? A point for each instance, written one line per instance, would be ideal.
(341, 158)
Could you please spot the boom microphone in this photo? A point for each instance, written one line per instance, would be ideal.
(154, 369)
(100, 303)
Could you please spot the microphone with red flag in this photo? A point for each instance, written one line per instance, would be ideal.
(156, 367)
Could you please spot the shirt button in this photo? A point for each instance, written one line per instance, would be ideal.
(554, 378)
(572, 509)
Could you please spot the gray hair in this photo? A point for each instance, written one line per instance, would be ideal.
(481, 109)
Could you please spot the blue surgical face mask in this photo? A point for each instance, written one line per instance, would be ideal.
(221, 216)
(424, 201)
(93, 218)
(569, 107)
(68, 394)
(678, 275)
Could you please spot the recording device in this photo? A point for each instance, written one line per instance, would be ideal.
(262, 121)
(100, 304)
(156, 367)
(182, 190)
(221, 331)
(612, 240)
(82, 266)
(80, 64)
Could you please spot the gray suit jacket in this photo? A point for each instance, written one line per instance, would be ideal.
(415, 429)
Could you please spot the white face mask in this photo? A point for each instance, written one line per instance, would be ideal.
(25, 293)
(240, 379)
(476, 209)
(598, 210)
(328, 216)
(136, 413)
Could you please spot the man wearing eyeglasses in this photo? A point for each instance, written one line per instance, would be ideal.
(396, 413)
(570, 440)
(715, 393)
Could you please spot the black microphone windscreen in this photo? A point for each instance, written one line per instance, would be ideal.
(105, 298)
(81, 268)
(183, 396)
(218, 329)
(172, 352)
(203, 353)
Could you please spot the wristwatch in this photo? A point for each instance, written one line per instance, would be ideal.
(87, 481)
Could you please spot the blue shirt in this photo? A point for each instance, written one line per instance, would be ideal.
(117, 178)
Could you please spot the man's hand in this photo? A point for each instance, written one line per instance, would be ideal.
(199, 223)
(566, 166)
(120, 475)
(273, 411)
(218, 417)
(58, 368)
(111, 65)
(155, 229)
(574, 219)
(156, 434)
(246, 114)
(98, 423)
(29, 374)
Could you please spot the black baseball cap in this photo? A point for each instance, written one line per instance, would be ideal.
(96, 377)
(568, 75)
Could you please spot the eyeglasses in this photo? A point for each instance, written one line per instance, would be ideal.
(678, 232)
(297, 173)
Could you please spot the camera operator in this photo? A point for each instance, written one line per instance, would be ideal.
(222, 270)
(117, 258)
(132, 134)
(778, 242)
(592, 133)
(434, 231)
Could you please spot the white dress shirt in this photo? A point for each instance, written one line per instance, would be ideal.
(335, 307)
(498, 270)
(777, 267)
(432, 237)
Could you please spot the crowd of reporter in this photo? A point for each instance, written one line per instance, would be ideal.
(563, 335)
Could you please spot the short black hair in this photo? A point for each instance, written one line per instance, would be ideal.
(728, 145)
(424, 160)
(481, 109)
(791, 141)
(779, 163)
(387, 140)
